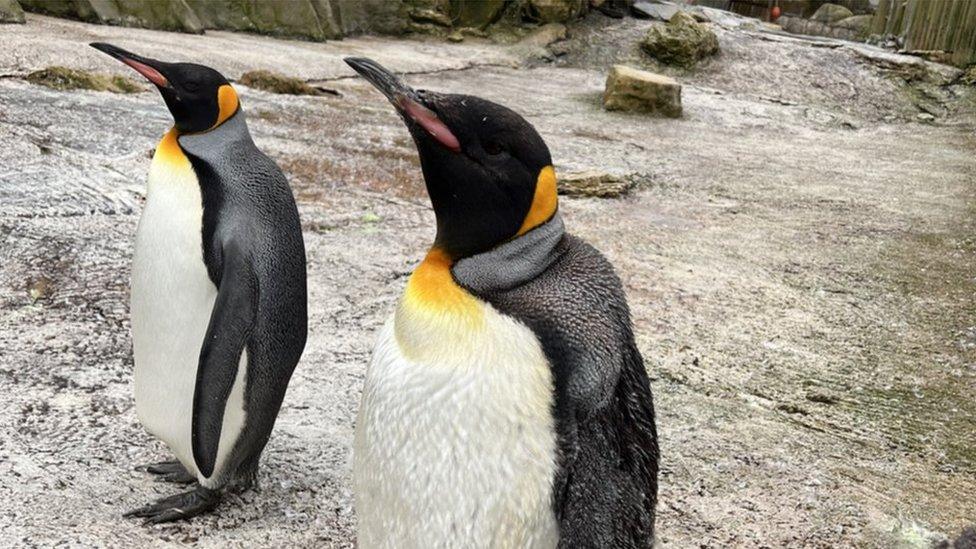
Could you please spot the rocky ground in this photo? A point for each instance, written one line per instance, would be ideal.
(798, 256)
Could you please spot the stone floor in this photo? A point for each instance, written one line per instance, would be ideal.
(798, 258)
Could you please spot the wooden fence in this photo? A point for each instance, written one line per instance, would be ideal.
(931, 25)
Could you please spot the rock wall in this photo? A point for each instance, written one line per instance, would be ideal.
(307, 19)
(172, 15)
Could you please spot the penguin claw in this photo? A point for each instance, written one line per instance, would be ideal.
(160, 467)
(169, 471)
(170, 515)
(178, 477)
(177, 507)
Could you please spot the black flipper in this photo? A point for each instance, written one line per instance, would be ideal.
(231, 323)
(605, 490)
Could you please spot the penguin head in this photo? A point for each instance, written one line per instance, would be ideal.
(198, 97)
(488, 172)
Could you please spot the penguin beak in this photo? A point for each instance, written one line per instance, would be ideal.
(150, 68)
(406, 101)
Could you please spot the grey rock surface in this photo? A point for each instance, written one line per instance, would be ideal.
(653, 10)
(801, 290)
(316, 20)
(308, 19)
(172, 15)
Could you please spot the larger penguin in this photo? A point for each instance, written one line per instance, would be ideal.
(218, 299)
(506, 404)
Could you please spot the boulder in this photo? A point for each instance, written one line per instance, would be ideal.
(11, 12)
(427, 15)
(969, 77)
(630, 89)
(555, 11)
(594, 183)
(682, 41)
(477, 14)
(809, 27)
(857, 23)
(616, 9)
(831, 13)
(544, 35)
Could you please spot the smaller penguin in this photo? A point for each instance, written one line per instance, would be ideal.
(218, 300)
(506, 403)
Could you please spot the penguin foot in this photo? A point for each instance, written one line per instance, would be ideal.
(169, 471)
(179, 507)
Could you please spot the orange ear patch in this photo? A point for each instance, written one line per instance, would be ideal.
(228, 102)
(544, 203)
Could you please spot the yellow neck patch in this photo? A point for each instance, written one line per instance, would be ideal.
(432, 286)
(544, 203)
(228, 103)
(434, 310)
(169, 151)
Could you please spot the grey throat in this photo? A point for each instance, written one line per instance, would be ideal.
(512, 263)
(212, 146)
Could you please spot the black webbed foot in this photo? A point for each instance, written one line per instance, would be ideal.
(178, 507)
(169, 471)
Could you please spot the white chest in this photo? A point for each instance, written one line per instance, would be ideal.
(457, 448)
(172, 298)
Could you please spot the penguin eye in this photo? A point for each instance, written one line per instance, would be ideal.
(191, 86)
(492, 148)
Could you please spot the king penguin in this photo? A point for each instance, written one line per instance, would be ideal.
(218, 298)
(506, 403)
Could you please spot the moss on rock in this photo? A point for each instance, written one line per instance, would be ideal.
(276, 83)
(555, 11)
(682, 41)
(63, 78)
(10, 12)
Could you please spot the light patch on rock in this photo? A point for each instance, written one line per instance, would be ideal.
(594, 183)
(630, 89)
